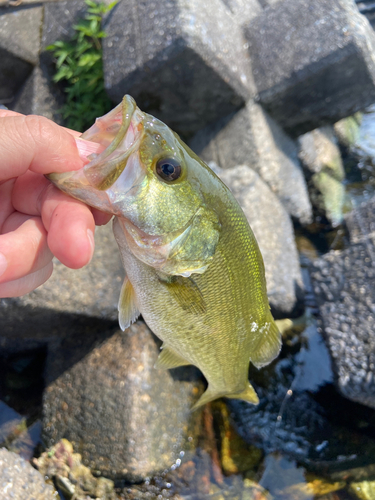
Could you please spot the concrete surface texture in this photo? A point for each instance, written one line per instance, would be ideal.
(306, 85)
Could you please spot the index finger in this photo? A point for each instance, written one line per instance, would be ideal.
(35, 143)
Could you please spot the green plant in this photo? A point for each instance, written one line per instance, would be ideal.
(79, 66)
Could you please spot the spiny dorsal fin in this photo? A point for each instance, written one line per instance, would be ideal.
(127, 305)
(169, 359)
(269, 347)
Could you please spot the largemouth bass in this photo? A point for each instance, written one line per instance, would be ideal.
(193, 267)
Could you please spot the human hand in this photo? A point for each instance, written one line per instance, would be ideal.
(37, 221)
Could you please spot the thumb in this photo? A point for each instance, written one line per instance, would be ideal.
(35, 143)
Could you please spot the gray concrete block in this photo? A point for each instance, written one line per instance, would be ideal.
(361, 223)
(39, 96)
(70, 302)
(321, 159)
(20, 29)
(273, 230)
(243, 10)
(253, 138)
(59, 19)
(19, 480)
(13, 72)
(128, 419)
(344, 287)
(183, 61)
(313, 63)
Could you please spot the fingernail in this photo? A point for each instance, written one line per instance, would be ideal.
(90, 236)
(3, 264)
(87, 148)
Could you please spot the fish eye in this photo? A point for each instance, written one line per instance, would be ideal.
(168, 169)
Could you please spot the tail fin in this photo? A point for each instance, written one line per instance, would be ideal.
(210, 394)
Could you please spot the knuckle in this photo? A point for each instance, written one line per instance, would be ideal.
(40, 129)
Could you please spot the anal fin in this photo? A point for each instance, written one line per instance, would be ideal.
(127, 306)
(248, 394)
(169, 359)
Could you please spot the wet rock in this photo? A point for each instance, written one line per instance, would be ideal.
(252, 138)
(301, 418)
(321, 159)
(300, 413)
(274, 232)
(19, 47)
(11, 423)
(355, 475)
(343, 283)
(235, 455)
(25, 444)
(364, 146)
(347, 130)
(183, 62)
(19, 480)
(128, 419)
(286, 480)
(306, 85)
(253, 490)
(363, 491)
(361, 223)
(70, 476)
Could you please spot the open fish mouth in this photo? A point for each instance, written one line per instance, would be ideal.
(118, 133)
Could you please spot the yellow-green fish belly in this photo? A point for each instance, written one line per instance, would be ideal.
(217, 320)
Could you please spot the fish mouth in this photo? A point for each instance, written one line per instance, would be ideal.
(118, 133)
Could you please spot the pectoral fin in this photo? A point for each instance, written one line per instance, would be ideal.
(169, 359)
(270, 346)
(186, 292)
(127, 305)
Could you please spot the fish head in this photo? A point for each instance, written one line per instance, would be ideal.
(147, 177)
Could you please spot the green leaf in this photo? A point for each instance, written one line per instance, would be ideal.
(110, 6)
(79, 68)
(89, 59)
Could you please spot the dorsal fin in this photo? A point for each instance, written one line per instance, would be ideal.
(128, 310)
